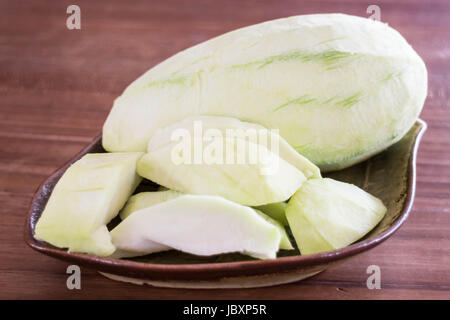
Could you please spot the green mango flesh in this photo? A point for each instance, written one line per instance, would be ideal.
(200, 225)
(325, 214)
(339, 88)
(88, 196)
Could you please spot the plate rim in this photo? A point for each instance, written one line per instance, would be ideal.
(213, 270)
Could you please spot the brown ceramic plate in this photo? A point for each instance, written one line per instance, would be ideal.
(389, 176)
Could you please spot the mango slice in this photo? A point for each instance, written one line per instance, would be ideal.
(146, 199)
(275, 210)
(201, 125)
(88, 196)
(200, 225)
(325, 214)
(268, 179)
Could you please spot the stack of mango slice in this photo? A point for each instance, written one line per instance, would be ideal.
(236, 130)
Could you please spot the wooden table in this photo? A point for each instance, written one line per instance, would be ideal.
(57, 86)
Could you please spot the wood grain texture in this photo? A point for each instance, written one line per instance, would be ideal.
(57, 86)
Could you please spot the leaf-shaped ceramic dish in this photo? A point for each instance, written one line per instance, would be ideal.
(389, 175)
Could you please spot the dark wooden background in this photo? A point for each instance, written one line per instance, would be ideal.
(57, 86)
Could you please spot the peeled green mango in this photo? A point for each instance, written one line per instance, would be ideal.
(146, 199)
(276, 211)
(200, 225)
(268, 179)
(88, 195)
(339, 88)
(285, 243)
(204, 126)
(325, 214)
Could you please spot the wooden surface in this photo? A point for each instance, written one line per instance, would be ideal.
(57, 86)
